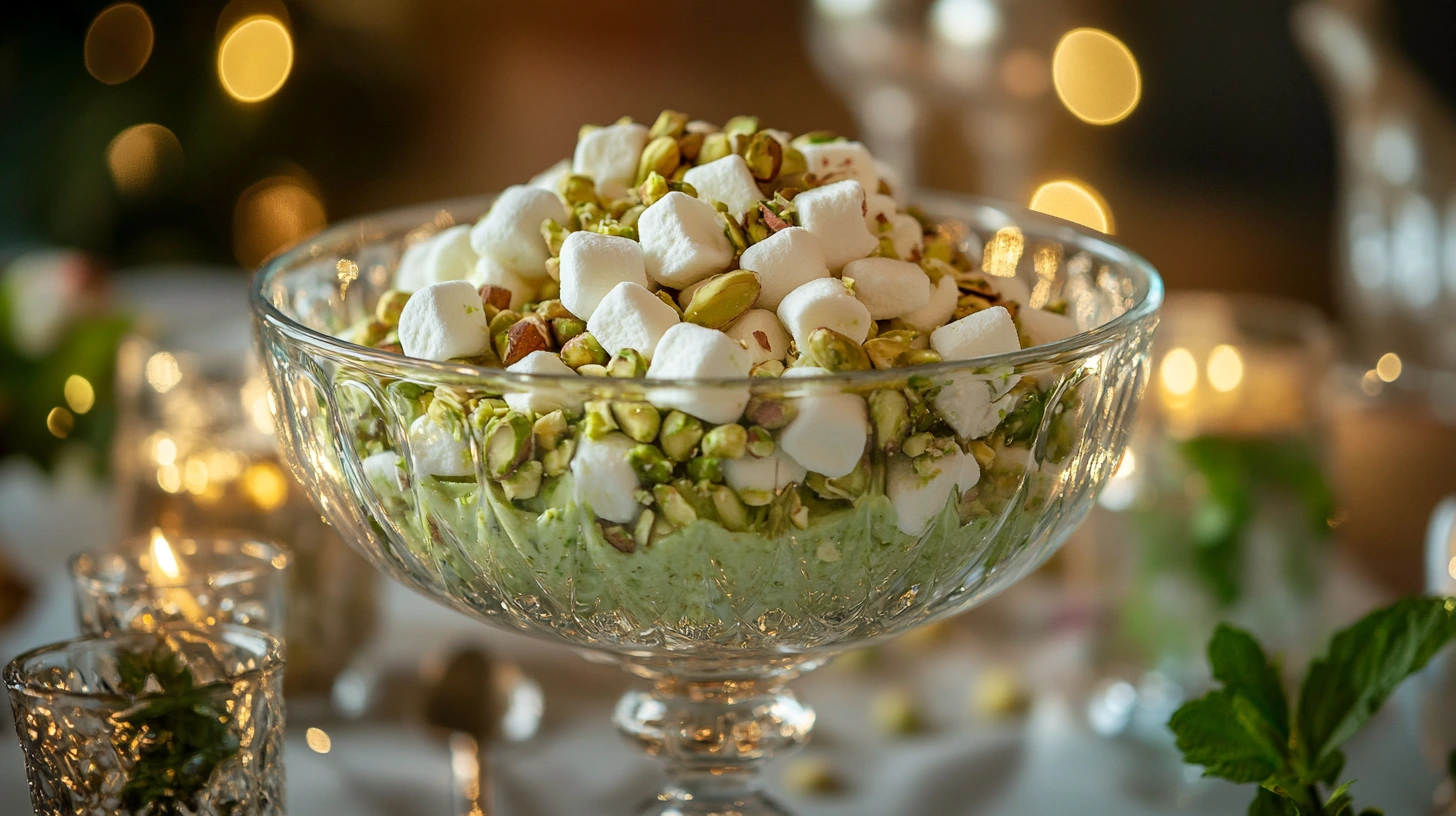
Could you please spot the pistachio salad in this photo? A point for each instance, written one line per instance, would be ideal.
(740, 254)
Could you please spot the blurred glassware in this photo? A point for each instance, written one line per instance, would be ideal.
(196, 452)
(183, 721)
(1221, 508)
(150, 583)
(1428, 700)
(1397, 201)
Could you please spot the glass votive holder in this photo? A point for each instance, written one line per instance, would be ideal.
(176, 721)
(155, 582)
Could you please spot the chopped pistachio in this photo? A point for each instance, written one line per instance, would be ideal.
(525, 483)
(577, 190)
(558, 460)
(756, 498)
(642, 530)
(734, 232)
(884, 351)
(768, 368)
(549, 429)
(715, 146)
(503, 321)
(565, 328)
(890, 418)
(815, 137)
(770, 412)
(833, 351)
(705, 469)
(529, 334)
(593, 370)
(916, 444)
(677, 185)
(630, 217)
(680, 435)
(726, 442)
(599, 420)
(764, 156)
(760, 442)
(651, 464)
(746, 125)
(553, 273)
(661, 156)
(669, 123)
(689, 145)
(848, 487)
(627, 364)
(984, 454)
(723, 299)
(794, 163)
(495, 299)
(673, 506)
(915, 357)
(638, 420)
(507, 444)
(753, 227)
(581, 350)
(653, 188)
(555, 236)
(552, 309)
(732, 512)
(390, 304)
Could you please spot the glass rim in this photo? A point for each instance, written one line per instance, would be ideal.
(261, 566)
(271, 660)
(1071, 348)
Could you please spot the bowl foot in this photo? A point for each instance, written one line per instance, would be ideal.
(676, 802)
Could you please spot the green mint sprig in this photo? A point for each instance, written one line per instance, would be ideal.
(1247, 731)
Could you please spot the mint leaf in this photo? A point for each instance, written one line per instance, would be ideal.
(1240, 664)
(1214, 731)
(1340, 802)
(1269, 803)
(1364, 665)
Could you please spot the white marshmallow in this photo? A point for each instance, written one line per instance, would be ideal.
(609, 155)
(602, 478)
(763, 334)
(443, 321)
(683, 241)
(824, 303)
(1044, 327)
(891, 178)
(511, 232)
(828, 436)
(887, 287)
(489, 272)
(770, 474)
(919, 499)
(937, 311)
(385, 473)
(631, 317)
(836, 161)
(784, 261)
(550, 179)
(989, 331)
(876, 207)
(969, 404)
(1013, 289)
(439, 450)
(443, 257)
(907, 236)
(690, 351)
(835, 215)
(727, 180)
(593, 264)
(539, 398)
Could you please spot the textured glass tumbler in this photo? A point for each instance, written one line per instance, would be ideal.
(177, 722)
(151, 583)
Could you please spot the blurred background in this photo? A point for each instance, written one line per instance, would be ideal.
(154, 154)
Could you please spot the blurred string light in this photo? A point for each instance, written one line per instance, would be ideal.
(118, 43)
(142, 157)
(1073, 201)
(60, 422)
(1388, 368)
(1096, 76)
(255, 58)
(80, 396)
(965, 23)
(163, 372)
(265, 485)
(1179, 372)
(1225, 368)
(274, 213)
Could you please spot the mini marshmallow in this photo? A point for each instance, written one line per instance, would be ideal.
(385, 473)
(443, 257)
(609, 155)
(550, 179)
(769, 474)
(631, 317)
(690, 351)
(511, 232)
(784, 261)
(443, 321)
(763, 334)
(919, 499)
(890, 178)
(727, 180)
(970, 405)
(824, 303)
(907, 236)
(540, 398)
(876, 207)
(828, 436)
(887, 287)
(683, 241)
(593, 264)
(835, 214)
(835, 161)
(989, 331)
(602, 478)
(490, 273)
(1042, 327)
(1013, 289)
(439, 450)
(937, 311)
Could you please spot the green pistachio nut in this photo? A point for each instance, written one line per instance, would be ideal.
(507, 444)
(680, 435)
(669, 123)
(726, 442)
(915, 357)
(651, 465)
(794, 163)
(677, 185)
(638, 420)
(884, 351)
(734, 232)
(525, 483)
(652, 189)
(768, 368)
(503, 321)
(578, 190)
(555, 236)
(723, 299)
(629, 218)
(756, 498)
(588, 215)
(705, 469)
(565, 328)
(642, 530)
(548, 430)
(814, 137)
(916, 444)
(746, 125)
(558, 461)
(732, 512)
(581, 350)
(690, 145)
(833, 351)
(592, 370)
(553, 273)
(890, 418)
(390, 305)
(661, 156)
(673, 506)
(760, 442)
(770, 412)
(627, 364)
(698, 495)
(715, 146)
(764, 156)
(598, 421)
(754, 230)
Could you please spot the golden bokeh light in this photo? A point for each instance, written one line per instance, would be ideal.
(118, 43)
(142, 157)
(60, 422)
(80, 396)
(318, 740)
(162, 556)
(1179, 372)
(1096, 76)
(1225, 368)
(274, 213)
(1073, 201)
(1003, 252)
(265, 485)
(1389, 366)
(255, 58)
(163, 372)
(166, 451)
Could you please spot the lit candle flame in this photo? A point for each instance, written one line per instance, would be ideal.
(162, 556)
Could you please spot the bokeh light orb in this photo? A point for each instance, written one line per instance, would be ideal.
(1096, 76)
(255, 58)
(142, 158)
(1073, 201)
(274, 213)
(118, 43)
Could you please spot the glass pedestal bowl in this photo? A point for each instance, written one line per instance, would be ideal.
(720, 613)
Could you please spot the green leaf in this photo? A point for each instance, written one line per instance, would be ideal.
(1329, 768)
(1241, 665)
(1364, 665)
(1269, 803)
(1213, 732)
(1340, 802)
